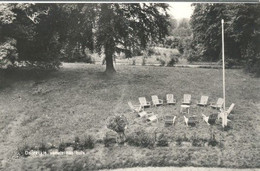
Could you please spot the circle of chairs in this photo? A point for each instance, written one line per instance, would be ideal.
(184, 109)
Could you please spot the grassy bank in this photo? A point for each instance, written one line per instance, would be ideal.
(78, 99)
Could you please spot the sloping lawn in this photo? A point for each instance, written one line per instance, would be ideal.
(78, 100)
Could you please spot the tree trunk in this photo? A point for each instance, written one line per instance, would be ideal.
(109, 65)
(109, 43)
(109, 52)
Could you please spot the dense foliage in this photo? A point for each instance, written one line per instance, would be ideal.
(242, 33)
(38, 33)
(125, 27)
(29, 33)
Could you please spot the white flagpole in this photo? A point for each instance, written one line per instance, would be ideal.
(224, 120)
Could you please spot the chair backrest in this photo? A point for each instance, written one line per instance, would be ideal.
(169, 98)
(155, 99)
(142, 101)
(152, 118)
(230, 108)
(220, 102)
(186, 98)
(204, 99)
(130, 105)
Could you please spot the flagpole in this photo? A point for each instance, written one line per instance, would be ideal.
(224, 120)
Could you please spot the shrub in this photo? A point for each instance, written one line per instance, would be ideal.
(23, 150)
(43, 147)
(88, 143)
(137, 52)
(229, 62)
(173, 60)
(140, 138)
(179, 140)
(198, 142)
(109, 139)
(180, 47)
(162, 62)
(76, 144)
(76, 140)
(117, 124)
(133, 62)
(252, 60)
(62, 146)
(162, 140)
(212, 141)
(150, 51)
(143, 61)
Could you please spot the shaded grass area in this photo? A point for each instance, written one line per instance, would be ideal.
(79, 99)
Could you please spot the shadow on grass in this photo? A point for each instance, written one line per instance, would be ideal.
(12, 76)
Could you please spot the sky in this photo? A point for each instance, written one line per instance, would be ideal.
(180, 9)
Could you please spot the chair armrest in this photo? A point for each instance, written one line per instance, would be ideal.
(160, 100)
(136, 105)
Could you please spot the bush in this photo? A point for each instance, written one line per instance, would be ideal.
(62, 146)
(212, 141)
(198, 142)
(162, 62)
(252, 56)
(180, 47)
(88, 143)
(76, 144)
(140, 138)
(43, 147)
(179, 140)
(109, 139)
(150, 51)
(133, 62)
(24, 150)
(117, 124)
(143, 61)
(162, 140)
(137, 52)
(229, 62)
(173, 60)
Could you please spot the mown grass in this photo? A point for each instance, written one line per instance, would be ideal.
(78, 99)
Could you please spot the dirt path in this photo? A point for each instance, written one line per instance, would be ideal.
(10, 140)
(9, 135)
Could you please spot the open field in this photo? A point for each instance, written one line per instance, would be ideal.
(78, 99)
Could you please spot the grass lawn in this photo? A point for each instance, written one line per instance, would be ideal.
(78, 99)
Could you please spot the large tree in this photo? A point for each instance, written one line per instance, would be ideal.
(30, 33)
(44, 32)
(121, 27)
(242, 32)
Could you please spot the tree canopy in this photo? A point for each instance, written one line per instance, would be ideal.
(121, 27)
(242, 33)
(47, 32)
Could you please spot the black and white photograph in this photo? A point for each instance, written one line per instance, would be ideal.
(129, 86)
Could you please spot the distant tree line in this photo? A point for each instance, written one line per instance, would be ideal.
(242, 34)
